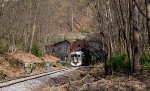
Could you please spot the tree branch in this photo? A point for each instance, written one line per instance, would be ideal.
(140, 9)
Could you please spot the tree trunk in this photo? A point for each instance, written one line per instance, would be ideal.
(34, 26)
(135, 42)
(72, 18)
(124, 29)
(147, 2)
(109, 33)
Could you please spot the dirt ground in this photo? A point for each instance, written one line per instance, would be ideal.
(92, 79)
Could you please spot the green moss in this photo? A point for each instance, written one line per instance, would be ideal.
(72, 37)
(85, 30)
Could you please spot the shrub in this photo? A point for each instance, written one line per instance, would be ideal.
(3, 46)
(36, 51)
(119, 63)
(145, 60)
(2, 75)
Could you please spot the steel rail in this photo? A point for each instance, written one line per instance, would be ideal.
(12, 82)
(28, 76)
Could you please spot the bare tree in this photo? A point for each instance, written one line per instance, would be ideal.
(135, 41)
(34, 25)
(147, 3)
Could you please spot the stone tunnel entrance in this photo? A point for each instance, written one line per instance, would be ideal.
(92, 50)
(96, 51)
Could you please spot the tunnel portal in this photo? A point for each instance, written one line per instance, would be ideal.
(92, 50)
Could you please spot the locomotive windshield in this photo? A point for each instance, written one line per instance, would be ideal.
(75, 55)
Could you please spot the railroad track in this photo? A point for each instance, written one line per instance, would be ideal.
(20, 84)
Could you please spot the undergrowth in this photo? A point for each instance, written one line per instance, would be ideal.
(145, 60)
(119, 63)
(3, 46)
(145, 63)
(36, 51)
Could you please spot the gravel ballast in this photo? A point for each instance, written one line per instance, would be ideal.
(29, 85)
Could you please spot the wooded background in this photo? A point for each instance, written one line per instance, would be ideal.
(121, 25)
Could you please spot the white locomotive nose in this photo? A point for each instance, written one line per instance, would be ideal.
(76, 58)
(76, 64)
(75, 61)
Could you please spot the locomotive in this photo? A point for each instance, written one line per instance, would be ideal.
(77, 58)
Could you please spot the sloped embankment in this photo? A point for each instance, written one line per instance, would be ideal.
(12, 65)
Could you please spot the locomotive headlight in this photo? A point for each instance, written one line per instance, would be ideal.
(76, 59)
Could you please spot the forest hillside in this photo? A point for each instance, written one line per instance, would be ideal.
(120, 27)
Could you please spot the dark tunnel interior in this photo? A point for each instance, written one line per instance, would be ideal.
(87, 60)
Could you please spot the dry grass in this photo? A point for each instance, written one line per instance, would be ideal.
(9, 65)
(25, 57)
